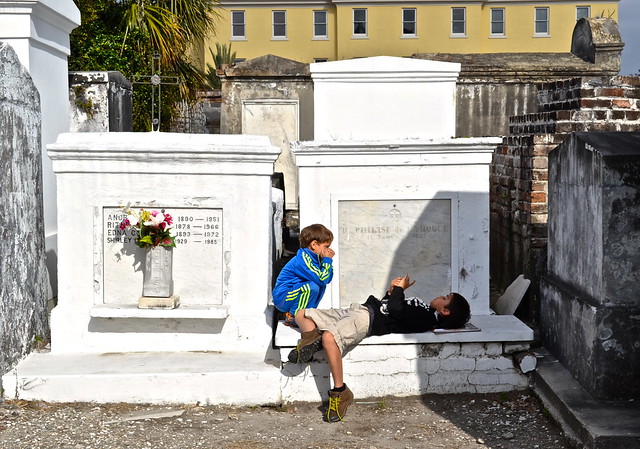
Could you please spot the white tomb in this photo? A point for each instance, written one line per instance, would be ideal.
(216, 188)
(400, 194)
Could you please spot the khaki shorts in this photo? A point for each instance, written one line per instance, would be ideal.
(348, 326)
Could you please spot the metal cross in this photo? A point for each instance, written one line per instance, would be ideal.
(156, 80)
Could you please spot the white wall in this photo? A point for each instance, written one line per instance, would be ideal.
(38, 31)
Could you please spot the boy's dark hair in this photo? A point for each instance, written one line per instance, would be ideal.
(315, 232)
(459, 313)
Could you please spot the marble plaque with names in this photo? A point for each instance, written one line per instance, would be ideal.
(381, 240)
(197, 257)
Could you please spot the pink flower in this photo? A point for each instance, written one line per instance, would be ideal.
(168, 219)
(124, 224)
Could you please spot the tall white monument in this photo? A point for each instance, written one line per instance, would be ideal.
(400, 194)
(38, 31)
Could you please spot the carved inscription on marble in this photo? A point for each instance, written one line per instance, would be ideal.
(380, 240)
(197, 258)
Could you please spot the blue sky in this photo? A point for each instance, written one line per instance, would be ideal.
(629, 23)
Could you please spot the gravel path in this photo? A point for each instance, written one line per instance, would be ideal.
(507, 420)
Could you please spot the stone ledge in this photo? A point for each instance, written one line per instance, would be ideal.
(203, 312)
(493, 328)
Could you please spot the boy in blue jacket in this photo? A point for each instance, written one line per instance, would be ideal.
(303, 280)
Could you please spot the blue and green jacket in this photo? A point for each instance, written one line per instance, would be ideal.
(302, 282)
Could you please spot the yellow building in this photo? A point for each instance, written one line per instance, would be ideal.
(319, 30)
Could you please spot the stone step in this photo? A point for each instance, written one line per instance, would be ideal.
(596, 424)
(146, 377)
(398, 365)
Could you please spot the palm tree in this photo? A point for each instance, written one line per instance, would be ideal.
(171, 27)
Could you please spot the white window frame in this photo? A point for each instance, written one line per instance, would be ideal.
(243, 24)
(464, 22)
(536, 21)
(274, 24)
(366, 23)
(317, 23)
(579, 7)
(414, 22)
(500, 22)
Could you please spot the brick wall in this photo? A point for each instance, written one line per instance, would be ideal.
(519, 170)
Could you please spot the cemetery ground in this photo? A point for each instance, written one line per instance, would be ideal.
(514, 420)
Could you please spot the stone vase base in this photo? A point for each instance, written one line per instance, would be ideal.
(154, 302)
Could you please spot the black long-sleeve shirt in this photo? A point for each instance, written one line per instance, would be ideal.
(395, 314)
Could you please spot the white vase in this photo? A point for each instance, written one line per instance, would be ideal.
(158, 272)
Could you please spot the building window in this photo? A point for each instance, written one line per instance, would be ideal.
(359, 22)
(320, 59)
(279, 24)
(459, 21)
(237, 25)
(497, 21)
(409, 26)
(583, 12)
(320, 24)
(542, 21)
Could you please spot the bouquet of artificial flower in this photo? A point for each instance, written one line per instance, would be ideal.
(153, 227)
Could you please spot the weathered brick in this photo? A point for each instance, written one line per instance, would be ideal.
(510, 348)
(538, 197)
(538, 218)
(586, 92)
(540, 174)
(540, 186)
(472, 350)
(629, 127)
(494, 363)
(609, 92)
(590, 103)
(428, 365)
(618, 115)
(622, 103)
(565, 127)
(631, 115)
(540, 162)
(493, 349)
(538, 208)
(456, 363)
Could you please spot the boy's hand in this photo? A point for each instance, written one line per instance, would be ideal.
(403, 282)
(329, 253)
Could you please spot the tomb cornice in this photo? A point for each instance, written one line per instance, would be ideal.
(47, 22)
(162, 153)
(419, 152)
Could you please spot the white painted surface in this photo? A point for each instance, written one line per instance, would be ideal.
(405, 169)
(38, 30)
(384, 97)
(163, 170)
(493, 329)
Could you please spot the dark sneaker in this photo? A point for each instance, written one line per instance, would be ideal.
(290, 320)
(309, 344)
(338, 404)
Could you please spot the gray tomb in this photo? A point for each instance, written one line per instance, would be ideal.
(100, 102)
(23, 275)
(590, 305)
